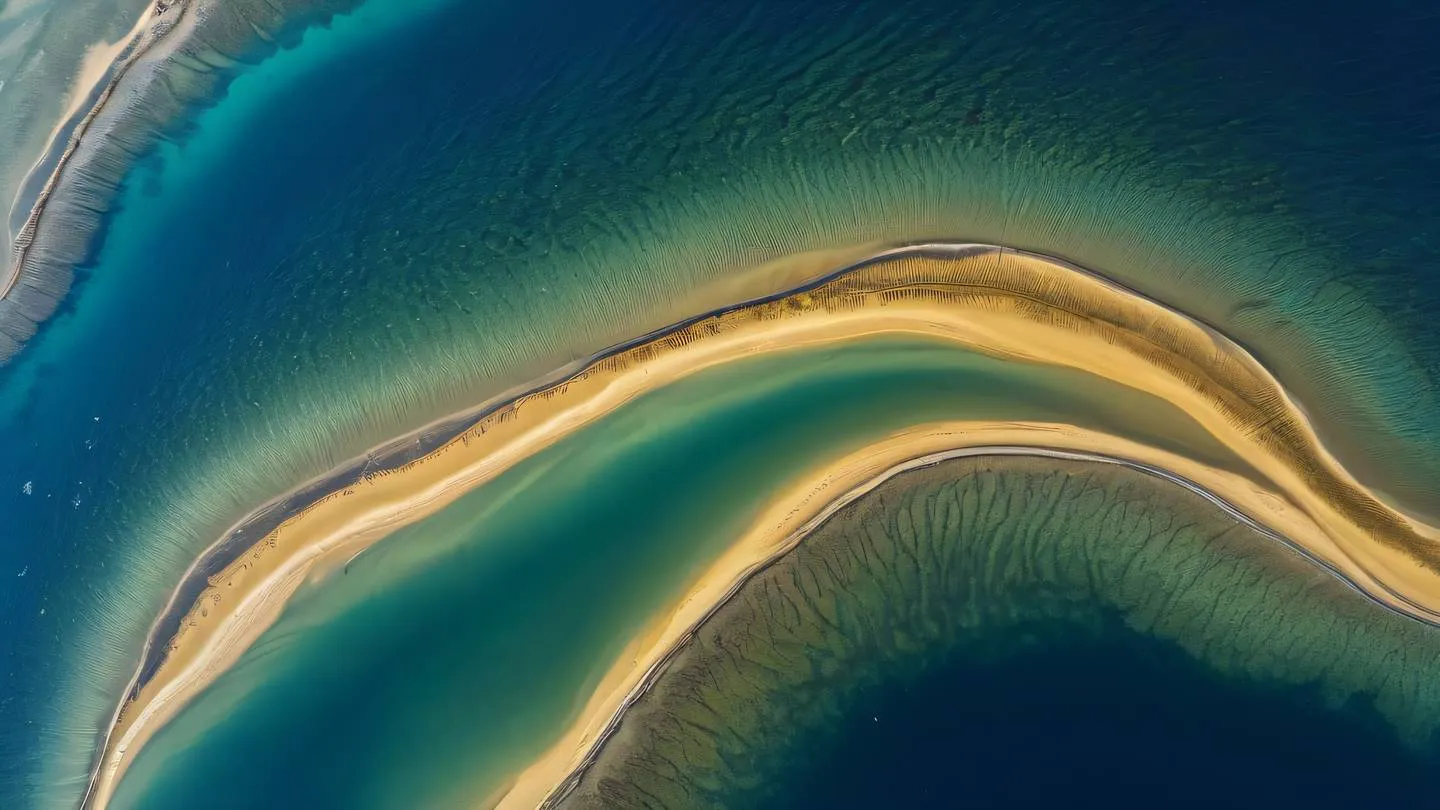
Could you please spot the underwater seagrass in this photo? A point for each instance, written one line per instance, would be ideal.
(441, 403)
(975, 560)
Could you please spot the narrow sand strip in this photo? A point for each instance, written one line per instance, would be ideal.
(94, 65)
(1015, 306)
(796, 513)
(154, 23)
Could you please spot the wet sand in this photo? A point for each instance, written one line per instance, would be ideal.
(1008, 304)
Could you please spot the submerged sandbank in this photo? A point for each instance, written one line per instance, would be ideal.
(96, 67)
(1011, 305)
(130, 92)
(101, 70)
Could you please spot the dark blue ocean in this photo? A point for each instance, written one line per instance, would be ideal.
(423, 204)
(1062, 716)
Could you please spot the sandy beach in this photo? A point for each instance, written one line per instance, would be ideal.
(1010, 305)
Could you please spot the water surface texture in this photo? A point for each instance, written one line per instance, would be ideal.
(416, 206)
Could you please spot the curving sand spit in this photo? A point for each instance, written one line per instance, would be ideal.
(1009, 304)
(103, 62)
(796, 513)
(96, 64)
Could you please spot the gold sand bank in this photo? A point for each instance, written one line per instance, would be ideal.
(798, 511)
(1010, 305)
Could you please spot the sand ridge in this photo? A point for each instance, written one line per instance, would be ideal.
(993, 300)
(102, 60)
(95, 64)
(797, 512)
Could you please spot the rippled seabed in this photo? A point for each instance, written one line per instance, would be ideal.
(423, 205)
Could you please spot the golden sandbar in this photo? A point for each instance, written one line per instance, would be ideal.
(1004, 303)
(798, 511)
(99, 60)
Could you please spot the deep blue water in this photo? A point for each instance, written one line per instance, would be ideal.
(1060, 716)
(416, 209)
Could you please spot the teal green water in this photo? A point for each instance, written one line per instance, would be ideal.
(422, 205)
(454, 651)
(1024, 632)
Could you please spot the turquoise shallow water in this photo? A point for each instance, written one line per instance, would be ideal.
(423, 205)
(457, 649)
